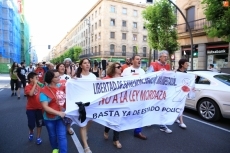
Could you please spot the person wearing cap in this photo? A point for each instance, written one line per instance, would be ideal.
(68, 67)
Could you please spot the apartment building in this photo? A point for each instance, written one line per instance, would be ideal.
(208, 50)
(110, 30)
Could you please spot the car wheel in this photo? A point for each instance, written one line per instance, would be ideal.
(209, 110)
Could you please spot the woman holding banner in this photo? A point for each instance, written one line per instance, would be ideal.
(83, 71)
(114, 71)
(183, 66)
(63, 78)
(52, 98)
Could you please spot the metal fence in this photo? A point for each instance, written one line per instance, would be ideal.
(194, 25)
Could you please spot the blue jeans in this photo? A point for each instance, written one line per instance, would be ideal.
(57, 134)
(137, 131)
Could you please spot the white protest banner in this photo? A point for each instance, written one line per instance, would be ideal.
(130, 102)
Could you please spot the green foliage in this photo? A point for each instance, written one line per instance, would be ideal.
(159, 21)
(219, 18)
(72, 53)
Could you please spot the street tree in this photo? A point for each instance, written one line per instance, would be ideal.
(72, 53)
(160, 21)
(219, 18)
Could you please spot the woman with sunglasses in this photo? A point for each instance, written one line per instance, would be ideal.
(114, 71)
(83, 72)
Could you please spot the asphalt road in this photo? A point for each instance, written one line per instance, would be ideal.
(199, 137)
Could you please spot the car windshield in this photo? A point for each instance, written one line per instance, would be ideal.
(223, 78)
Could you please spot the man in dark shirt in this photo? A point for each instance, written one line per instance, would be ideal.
(21, 72)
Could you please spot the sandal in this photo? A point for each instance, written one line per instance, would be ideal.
(87, 150)
(106, 135)
(70, 132)
(117, 144)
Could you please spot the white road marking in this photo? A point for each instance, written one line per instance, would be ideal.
(226, 130)
(81, 150)
(77, 142)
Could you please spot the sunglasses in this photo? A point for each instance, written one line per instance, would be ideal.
(118, 67)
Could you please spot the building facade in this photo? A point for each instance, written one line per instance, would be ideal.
(207, 50)
(111, 30)
(13, 39)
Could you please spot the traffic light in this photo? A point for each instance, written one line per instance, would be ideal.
(194, 47)
(49, 47)
(195, 53)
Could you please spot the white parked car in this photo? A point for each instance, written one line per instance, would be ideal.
(212, 99)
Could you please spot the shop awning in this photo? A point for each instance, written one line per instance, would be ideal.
(218, 46)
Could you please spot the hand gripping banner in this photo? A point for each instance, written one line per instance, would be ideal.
(129, 102)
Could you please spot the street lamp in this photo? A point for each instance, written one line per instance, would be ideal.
(88, 23)
(189, 30)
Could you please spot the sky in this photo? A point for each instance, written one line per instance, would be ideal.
(50, 20)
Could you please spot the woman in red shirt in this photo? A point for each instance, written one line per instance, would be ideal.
(114, 71)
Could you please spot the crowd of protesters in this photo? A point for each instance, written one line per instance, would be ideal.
(45, 92)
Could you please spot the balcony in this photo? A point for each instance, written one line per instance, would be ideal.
(112, 54)
(197, 28)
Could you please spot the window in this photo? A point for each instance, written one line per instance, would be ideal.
(135, 13)
(99, 23)
(190, 15)
(144, 51)
(124, 11)
(123, 23)
(99, 12)
(112, 49)
(112, 9)
(112, 22)
(134, 24)
(201, 80)
(99, 35)
(99, 48)
(144, 38)
(112, 35)
(92, 38)
(124, 36)
(134, 37)
(95, 25)
(95, 14)
(223, 78)
(95, 49)
(92, 16)
(134, 50)
(123, 50)
(92, 50)
(92, 28)
(144, 27)
(96, 37)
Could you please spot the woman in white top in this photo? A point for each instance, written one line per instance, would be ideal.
(83, 72)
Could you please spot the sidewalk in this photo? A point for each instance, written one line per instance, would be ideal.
(4, 76)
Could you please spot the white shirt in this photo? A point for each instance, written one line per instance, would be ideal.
(89, 76)
(65, 77)
(132, 71)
